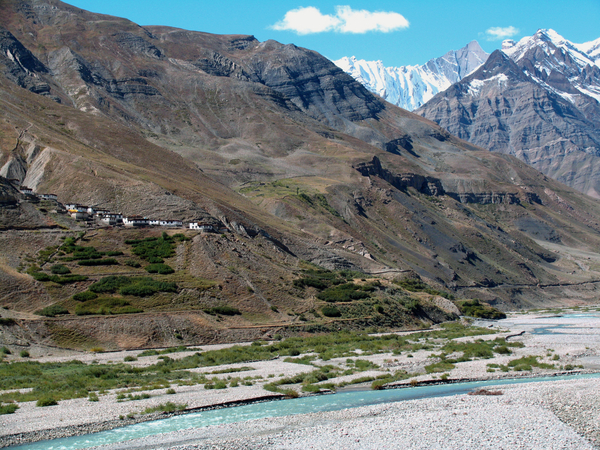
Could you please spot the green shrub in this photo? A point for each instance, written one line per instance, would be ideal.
(46, 401)
(170, 391)
(139, 290)
(24, 354)
(474, 308)
(411, 285)
(114, 253)
(59, 269)
(155, 260)
(71, 278)
(223, 310)
(162, 269)
(110, 284)
(7, 321)
(163, 247)
(98, 262)
(93, 397)
(441, 366)
(133, 263)
(41, 276)
(5, 351)
(331, 311)
(166, 407)
(52, 311)
(310, 282)
(138, 286)
(8, 409)
(344, 293)
(85, 296)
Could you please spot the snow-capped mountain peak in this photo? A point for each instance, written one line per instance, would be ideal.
(411, 86)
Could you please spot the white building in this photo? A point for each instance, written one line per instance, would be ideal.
(166, 223)
(205, 227)
(135, 221)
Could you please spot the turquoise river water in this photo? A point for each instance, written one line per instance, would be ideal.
(333, 402)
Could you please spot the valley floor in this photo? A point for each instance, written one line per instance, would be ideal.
(557, 414)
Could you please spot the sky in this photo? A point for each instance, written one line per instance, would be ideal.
(395, 32)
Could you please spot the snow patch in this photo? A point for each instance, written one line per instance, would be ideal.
(411, 86)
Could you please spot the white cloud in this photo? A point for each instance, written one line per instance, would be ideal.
(346, 20)
(497, 33)
(306, 21)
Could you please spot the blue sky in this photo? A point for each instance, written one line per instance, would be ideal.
(396, 32)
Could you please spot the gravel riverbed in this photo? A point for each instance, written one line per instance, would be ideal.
(529, 416)
(554, 415)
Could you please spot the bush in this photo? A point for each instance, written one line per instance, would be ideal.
(8, 409)
(162, 269)
(155, 260)
(223, 310)
(24, 354)
(98, 262)
(475, 308)
(412, 285)
(130, 358)
(41, 276)
(139, 290)
(85, 296)
(5, 351)
(163, 247)
(52, 311)
(115, 253)
(344, 293)
(311, 282)
(166, 407)
(138, 286)
(331, 311)
(133, 263)
(71, 278)
(110, 284)
(170, 391)
(46, 401)
(7, 321)
(59, 269)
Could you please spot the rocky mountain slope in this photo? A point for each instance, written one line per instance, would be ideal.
(409, 87)
(539, 100)
(305, 168)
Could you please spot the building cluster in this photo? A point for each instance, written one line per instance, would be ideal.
(106, 217)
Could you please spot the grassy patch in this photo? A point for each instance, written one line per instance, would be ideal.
(165, 407)
(52, 311)
(8, 409)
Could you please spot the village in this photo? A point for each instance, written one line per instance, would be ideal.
(103, 216)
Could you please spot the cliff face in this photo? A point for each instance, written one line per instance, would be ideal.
(537, 100)
(284, 149)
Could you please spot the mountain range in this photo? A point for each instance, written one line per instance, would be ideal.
(409, 87)
(537, 99)
(306, 169)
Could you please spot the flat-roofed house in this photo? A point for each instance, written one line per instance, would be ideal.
(135, 221)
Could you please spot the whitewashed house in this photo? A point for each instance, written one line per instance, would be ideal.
(48, 197)
(166, 223)
(200, 226)
(135, 221)
(26, 190)
(109, 218)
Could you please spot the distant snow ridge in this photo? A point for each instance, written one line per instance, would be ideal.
(411, 86)
(557, 64)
